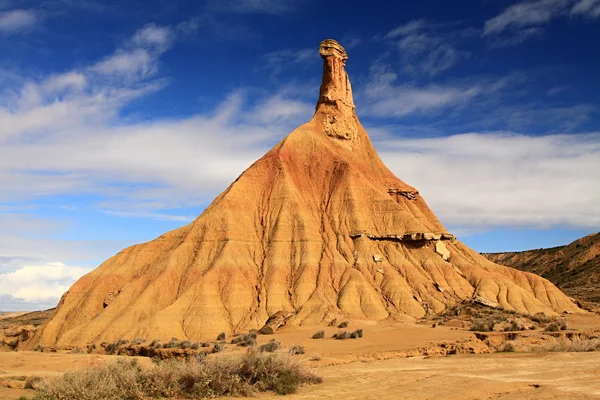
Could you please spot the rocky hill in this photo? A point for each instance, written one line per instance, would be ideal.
(575, 268)
(318, 228)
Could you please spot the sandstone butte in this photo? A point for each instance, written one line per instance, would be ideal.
(317, 228)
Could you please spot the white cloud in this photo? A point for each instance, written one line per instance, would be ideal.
(480, 180)
(15, 21)
(386, 98)
(407, 29)
(529, 14)
(40, 283)
(153, 35)
(590, 8)
(524, 14)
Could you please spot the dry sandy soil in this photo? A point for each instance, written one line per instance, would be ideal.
(376, 366)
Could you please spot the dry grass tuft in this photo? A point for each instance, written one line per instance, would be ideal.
(215, 376)
(566, 345)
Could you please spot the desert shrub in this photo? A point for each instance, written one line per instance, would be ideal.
(582, 345)
(356, 334)
(343, 324)
(218, 347)
(507, 348)
(513, 326)
(556, 326)
(333, 322)
(77, 350)
(295, 349)
(341, 335)
(195, 346)
(174, 339)
(111, 348)
(319, 335)
(32, 382)
(248, 340)
(222, 336)
(122, 342)
(185, 344)
(204, 344)
(315, 357)
(270, 347)
(39, 348)
(138, 341)
(155, 343)
(215, 376)
(482, 325)
(540, 318)
(170, 345)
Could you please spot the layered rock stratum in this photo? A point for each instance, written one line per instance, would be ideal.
(574, 268)
(317, 228)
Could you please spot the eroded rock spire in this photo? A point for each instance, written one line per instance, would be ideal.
(335, 97)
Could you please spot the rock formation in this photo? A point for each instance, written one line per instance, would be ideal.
(574, 268)
(317, 228)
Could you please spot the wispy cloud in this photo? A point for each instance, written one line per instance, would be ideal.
(150, 215)
(254, 6)
(277, 61)
(527, 18)
(386, 97)
(427, 48)
(17, 21)
(589, 8)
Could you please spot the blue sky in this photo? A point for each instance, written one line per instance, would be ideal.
(122, 120)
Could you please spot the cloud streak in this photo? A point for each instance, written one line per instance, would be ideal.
(17, 21)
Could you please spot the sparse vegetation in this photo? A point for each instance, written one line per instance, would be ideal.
(77, 350)
(296, 349)
(218, 347)
(507, 348)
(222, 336)
(333, 322)
(556, 326)
(319, 335)
(343, 324)
(247, 340)
(483, 325)
(348, 335)
(356, 334)
(341, 335)
(215, 376)
(270, 347)
(575, 345)
(315, 357)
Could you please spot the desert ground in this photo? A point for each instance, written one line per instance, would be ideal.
(394, 360)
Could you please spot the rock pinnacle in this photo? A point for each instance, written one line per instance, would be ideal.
(335, 97)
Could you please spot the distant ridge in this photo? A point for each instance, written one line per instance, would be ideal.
(575, 268)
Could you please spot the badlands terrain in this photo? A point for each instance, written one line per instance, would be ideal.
(395, 360)
(320, 236)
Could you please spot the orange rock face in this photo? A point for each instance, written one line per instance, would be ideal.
(317, 227)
